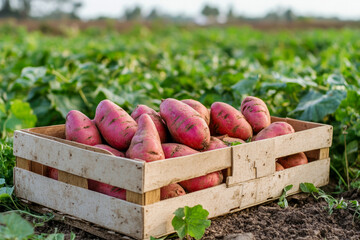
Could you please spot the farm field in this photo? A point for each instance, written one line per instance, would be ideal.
(311, 75)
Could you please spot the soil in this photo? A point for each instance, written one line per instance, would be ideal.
(305, 218)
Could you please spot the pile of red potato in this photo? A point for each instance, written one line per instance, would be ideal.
(180, 128)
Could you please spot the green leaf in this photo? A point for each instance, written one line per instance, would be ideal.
(283, 203)
(191, 221)
(6, 192)
(336, 79)
(14, 227)
(315, 105)
(197, 221)
(178, 222)
(308, 188)
(245, 86)
(2, 181)
(21, 116)
(64, 103)
(56, 236)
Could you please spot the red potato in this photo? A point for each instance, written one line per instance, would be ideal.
(177, 150)
(293, 160)
(159, 123)
(186, 126)
(80, 128)
(171, 190)
(106, 189)
(116, 126)
(110, 149)
(225, 119)
(273, 130)
(215, 144)
(202, 182)
(229, 140)
(279, 167)
(146, 144)
(256, 113)
(52, 173)
(201, 109)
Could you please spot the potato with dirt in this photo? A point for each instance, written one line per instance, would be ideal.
(256, 113)
(159, 123)
(186, 126)
(81, 129)
(201, 109)
(146, 144)
(225, 119)
(171, 190)
(273, 130)
(293, 160)
(115, 125)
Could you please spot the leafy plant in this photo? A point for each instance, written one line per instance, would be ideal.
(283, 203)
(332, 202)
(191, 221)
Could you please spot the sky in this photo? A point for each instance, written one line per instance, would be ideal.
(344, 9)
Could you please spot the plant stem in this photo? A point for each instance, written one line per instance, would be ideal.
(346, 161)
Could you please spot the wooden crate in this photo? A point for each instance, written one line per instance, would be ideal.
(251, 178)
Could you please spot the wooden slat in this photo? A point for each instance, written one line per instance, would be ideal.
(163, 172)
(72, 143)
(23, 163)
(76, 222)
(106, 211)
(72, 179)
(145, 198)
(57, 131)
(298, 125)
(257, 159)
(317, 154)
(120, 172)
(220, 200)
(38, 168)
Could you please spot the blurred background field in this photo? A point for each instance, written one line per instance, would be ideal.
(303, 66)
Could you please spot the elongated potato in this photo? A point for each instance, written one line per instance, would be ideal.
(256, 113)
(177, 150)
(186, 126)
(275, 129)
(201, 109)
(293, 160)
(110, 149)
(159, 123)
(171, 190)
(146, 144)
(215, 144)
(116, 126)
(81, 129)
(202, 182)
(225, 119)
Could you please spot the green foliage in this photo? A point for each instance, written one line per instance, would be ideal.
(14, 227)
(283, 203)
(7, 160)
(332, 202)
(191, 221)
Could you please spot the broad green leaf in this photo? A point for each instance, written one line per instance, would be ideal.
(56, 236)
(197, 222)
(245, 86)
(288, 188)
(12, 226)
(336, 79)
(191, 221)
(6, 192)
(21, 116)
(2, 181)
(314, 106)
(308, 188)
(63, 103)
